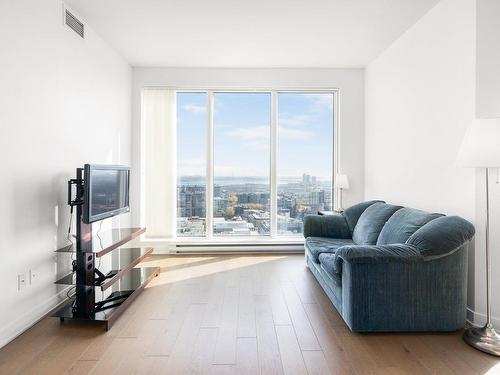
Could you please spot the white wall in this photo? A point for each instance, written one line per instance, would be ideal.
(350, 83)
(488, 58)
(487, 105)
(420, 97)
(64, 101)
(419, 101)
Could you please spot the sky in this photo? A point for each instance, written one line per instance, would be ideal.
(242, 126)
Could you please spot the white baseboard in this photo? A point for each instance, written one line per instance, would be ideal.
(29, 318)
(479, 319)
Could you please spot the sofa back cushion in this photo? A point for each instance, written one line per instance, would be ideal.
(353, 213)
(403, 224)
(371, 222)
(441, 236)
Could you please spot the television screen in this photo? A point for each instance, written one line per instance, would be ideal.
(106, 191)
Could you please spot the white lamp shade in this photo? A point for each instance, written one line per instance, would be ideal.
(341, 181)
(481, 144)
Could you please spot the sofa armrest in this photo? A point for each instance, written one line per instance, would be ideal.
(333, 226)
(397, 292)
(358, 254)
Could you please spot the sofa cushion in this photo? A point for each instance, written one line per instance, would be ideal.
(327, 261)
(403, 224)
(371, 222)
(319, 245)
(353, 213)
(441, 236)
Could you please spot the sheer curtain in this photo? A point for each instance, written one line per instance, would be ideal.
(158, 162)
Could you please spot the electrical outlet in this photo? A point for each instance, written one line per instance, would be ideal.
(21, 281)
(33, 276)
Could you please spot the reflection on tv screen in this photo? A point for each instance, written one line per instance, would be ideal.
(108, 190)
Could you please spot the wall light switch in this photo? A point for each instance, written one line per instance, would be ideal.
(33, 276)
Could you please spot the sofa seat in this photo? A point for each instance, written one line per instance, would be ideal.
(320, 245)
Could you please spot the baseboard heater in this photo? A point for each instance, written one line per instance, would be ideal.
(226, 248)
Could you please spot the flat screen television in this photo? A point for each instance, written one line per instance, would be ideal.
(106, 191)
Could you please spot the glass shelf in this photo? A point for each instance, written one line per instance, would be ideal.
(107, 241)
(128, 287)
(123, 260)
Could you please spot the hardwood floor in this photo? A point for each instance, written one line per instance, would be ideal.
(237, 315)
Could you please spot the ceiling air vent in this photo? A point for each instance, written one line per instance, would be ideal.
(74, 23)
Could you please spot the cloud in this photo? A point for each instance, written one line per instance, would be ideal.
(294, 120)
(255, 133)
(295, 134)
(194, 108)
(321, 100)
(261, 135)
(317, 106)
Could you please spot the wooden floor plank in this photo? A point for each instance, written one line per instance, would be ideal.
(291, 356)
(225, 348)
(316, 362)
(246, 310)
(180, 357)
(267, 342)
(81, 368)
(247, 357)
(305, 333)
(203, 351)
(335, 354)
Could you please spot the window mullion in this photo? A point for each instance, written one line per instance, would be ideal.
(274, 187)
(210, 166)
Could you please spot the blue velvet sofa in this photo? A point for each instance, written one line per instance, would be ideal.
(390, 268)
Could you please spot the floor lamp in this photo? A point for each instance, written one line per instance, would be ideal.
(341, 183)
(481, 149)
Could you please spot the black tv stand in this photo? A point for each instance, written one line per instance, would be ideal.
(92, 301)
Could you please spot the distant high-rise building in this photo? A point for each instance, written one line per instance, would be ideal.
(306, 179)
(191, 201)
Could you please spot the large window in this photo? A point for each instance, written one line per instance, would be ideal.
(253, 164)
(191, 164)
(241, 196)
(305, 158)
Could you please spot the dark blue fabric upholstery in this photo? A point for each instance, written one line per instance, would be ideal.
(353, 213)
(442, 236)
(318, 245)
(331, 285)
(399, 253)
(406, 296)
(327, 261)
(417, 283)
(403, 224)
(371, 222)
(334, 226)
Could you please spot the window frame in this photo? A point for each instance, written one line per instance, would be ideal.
(273, 238)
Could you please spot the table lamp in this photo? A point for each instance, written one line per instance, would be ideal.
(481, 149)
(341, 183)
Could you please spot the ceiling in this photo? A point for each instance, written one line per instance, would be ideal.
(254, 33)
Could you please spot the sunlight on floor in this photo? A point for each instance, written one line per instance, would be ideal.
(175, 269)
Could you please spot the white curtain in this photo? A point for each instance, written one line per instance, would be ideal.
(158, 162)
